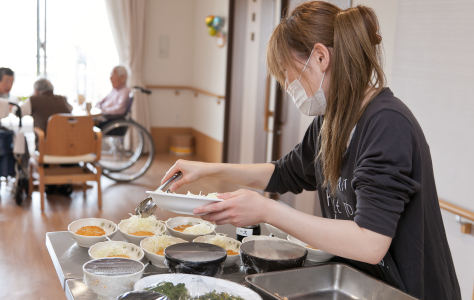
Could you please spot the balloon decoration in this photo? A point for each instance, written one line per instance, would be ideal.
(214, 28)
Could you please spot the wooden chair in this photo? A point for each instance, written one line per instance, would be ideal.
(69, 140)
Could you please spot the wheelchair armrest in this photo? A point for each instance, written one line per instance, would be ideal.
(113, 117)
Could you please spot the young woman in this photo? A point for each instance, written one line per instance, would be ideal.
(365, 153)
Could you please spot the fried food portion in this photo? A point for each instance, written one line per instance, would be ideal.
(181, 228)
(142, 233)
(91, 231)
(231, 252)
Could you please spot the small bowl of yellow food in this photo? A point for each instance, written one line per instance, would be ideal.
(188, 228)
(90, 231)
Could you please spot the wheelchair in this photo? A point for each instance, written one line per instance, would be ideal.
(127, 147)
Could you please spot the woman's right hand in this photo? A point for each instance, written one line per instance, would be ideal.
(192, 171)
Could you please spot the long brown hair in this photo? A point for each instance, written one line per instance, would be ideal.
(356, 68)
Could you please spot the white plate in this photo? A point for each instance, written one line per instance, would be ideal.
(180, 204)
(199, 285)
(313, 254)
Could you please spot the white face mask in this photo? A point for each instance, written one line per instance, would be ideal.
(310, 106)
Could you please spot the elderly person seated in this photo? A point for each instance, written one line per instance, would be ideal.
(43, 104)
(116, 102)
(6, 82)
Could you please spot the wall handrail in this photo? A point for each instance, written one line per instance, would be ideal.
(461, 212)
(183, 87)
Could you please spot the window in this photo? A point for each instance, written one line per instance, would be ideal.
(80, 51)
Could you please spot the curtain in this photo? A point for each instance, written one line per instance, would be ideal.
(127, 21)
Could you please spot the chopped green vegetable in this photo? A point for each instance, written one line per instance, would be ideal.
(217, 296)
(178, 292)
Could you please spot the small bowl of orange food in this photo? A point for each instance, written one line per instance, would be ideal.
(188, 228)
(90, 231)
(314, 254)
(232, 246)
(136, 228)
(116, 249)
(154, 248)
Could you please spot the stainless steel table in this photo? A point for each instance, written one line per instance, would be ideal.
(68, 259)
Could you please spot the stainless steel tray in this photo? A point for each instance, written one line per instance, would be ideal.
(331, 281)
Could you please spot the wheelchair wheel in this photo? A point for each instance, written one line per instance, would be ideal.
(127, 150)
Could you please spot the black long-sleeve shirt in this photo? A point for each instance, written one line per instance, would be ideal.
(387, 186)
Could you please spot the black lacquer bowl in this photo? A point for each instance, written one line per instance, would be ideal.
(262, 256)
(196, 258)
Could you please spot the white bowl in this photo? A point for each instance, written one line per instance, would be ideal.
(313, 254)
(160, 229)
(109, 287)
(231, 259)
(276, 232)
(197, 283)
(158, 260)
(258, 237)
(180, 204)
(135, 253)
(178, 221)
(109, 227)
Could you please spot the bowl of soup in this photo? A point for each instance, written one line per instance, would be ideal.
(90, 231)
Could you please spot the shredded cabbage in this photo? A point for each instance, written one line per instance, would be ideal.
(111, 250)
(202, 227)
(223, 241)
(211, 195)
(157, 243)
(137, 223)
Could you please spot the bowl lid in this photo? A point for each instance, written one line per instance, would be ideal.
(195, 252)
(113, 266)
(273, 249)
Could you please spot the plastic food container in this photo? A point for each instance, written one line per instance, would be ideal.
(271, 255)
(111, 277)
(196, 258)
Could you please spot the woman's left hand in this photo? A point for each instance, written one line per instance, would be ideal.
(240, 208)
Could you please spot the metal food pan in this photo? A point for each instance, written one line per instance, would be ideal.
(333, 281)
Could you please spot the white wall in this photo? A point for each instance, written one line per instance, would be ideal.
(166, 109)
(386, 11)
(433, 75)
(193, 60)
(209, 69)
(249, 99)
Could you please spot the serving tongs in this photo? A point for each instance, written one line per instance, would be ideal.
(147, 207)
